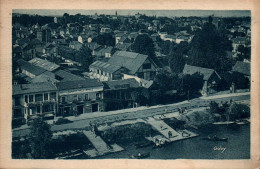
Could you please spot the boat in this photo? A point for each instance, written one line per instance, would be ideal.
(215, 138)
(223, 122)
(242, 122)
(140, 155)
(143, 144)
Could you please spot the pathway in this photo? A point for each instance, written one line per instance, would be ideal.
(97, 142)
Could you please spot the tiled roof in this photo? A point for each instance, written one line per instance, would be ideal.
(188, 69)
(121, 84)
(33, 88)
(45, 64)
(123, 46)
(79, 84)
(242, 67)
(36, 70)
(130, 60)
(106, 67)
(66, 76)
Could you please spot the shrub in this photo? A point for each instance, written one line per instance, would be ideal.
(239, 111)
(62, 121)
(128, 132)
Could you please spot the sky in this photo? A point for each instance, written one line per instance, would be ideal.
(167, 13)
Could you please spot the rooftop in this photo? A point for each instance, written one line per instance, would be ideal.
(188, 69)
(45, 64)
(79, 84)
(121, 84)
(130, 60)
(35, 70)
(66, 76)
(105, 66)
(33, 88)
(242, 67)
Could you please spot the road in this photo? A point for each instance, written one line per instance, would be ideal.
(104, 117)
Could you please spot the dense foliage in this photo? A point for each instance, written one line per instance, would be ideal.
(144, 44)
(208, 49)
(40, 139)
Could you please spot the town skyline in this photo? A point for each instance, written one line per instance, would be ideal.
(161, 13)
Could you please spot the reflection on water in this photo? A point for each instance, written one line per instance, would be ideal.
(237, 146)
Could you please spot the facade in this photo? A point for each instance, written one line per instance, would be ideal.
(138, 65)
(119, 94)
(210, 77)
(105, 71)
(79, 97)
(32, 100)
(44, 35)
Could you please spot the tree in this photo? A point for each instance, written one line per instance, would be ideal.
(84, 57)
(105, 39)
(176, 62)
(192, 83)
(214, 107)
(163, 80)
(208, 49)
(240, 81)
(238, 111)
(144, 44)
(40, 139)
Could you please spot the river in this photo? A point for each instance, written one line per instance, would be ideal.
(237, 146)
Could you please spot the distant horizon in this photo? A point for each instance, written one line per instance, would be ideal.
(122, 12)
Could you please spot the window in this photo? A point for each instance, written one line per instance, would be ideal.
(46, 97)
(147, 66)
(30, 98)
(63, 99)
(47, 108)
(16, 101)
(38, 109)
(98, 95)
(86, 97)
(38, 97)
(140, 75)
(75, 97)
(53, 96)
(26, 99)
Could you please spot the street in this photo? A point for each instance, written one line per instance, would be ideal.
(142, 112)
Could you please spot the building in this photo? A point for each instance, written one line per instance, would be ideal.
(118, 94)
(103, 52)
(29, 69)
(44, 35)
(106, 30)
(79, 97)
(210, 77)
(105, 71)
(55, 20)
(75, 45)
(236, 42)
(242, 67)
(137, 64)
(45, 64)
(33, 100)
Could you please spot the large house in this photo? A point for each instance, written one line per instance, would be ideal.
(80, 96)
(137, 64)
(32, 100)
(210, 77)
(118, 94)
(123, 62)
(105, 71)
